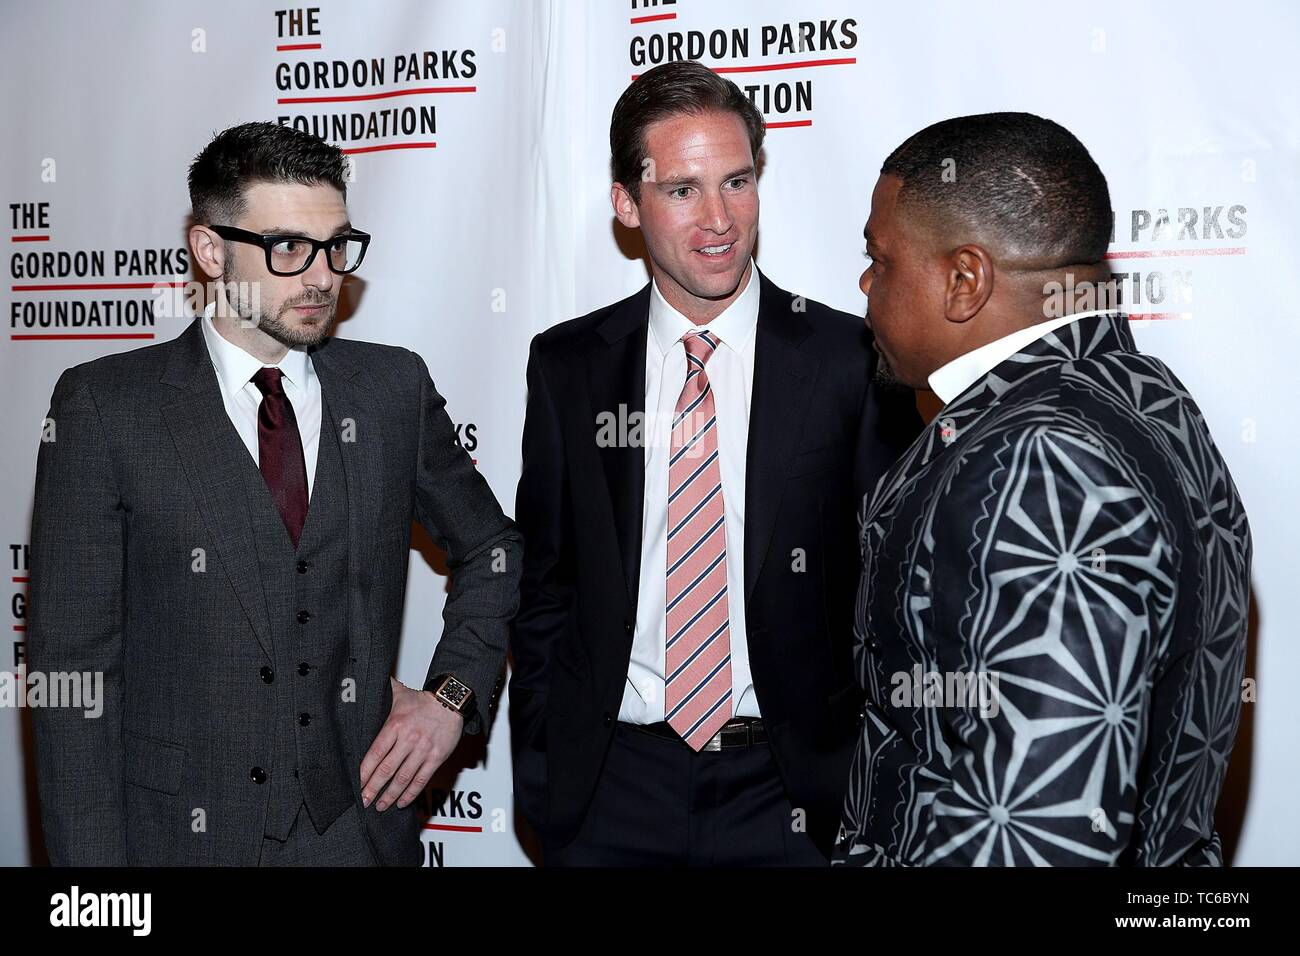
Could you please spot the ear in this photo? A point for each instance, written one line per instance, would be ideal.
(209, 251)
(625, 207)
(969, 283)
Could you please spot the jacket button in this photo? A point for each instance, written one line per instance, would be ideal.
(607, 719)
(304, 617)
(302, 567)
(303, 668)
(257, 775)
(267, 675)
(629, 626)
(304, 719)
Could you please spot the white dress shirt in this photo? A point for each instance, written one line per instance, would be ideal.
(731, 374)
(950, 380)
(235, 369)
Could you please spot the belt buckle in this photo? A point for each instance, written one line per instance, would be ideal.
(743, 726)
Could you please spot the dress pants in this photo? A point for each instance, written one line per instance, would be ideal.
(342, 844)
(659, 803)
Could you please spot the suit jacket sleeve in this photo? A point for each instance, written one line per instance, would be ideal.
(484, 554)
(546, 592)
(75, 626)
(887, 424)
(1054, 577)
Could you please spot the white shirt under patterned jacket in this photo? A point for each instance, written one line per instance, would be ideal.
(1052, 618)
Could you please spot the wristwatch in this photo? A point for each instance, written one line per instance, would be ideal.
(453, 695)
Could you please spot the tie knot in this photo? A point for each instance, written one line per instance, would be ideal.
(269, 381)
(700, 345)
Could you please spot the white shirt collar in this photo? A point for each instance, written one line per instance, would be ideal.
(735, 325)
(950, 380)
(236, 367)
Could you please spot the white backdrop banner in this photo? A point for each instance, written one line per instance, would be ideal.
(479, 136)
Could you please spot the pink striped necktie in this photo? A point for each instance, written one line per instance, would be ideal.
(697, 691)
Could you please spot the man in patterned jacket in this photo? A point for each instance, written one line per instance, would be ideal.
(1051, 623)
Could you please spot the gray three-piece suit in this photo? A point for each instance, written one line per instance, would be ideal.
(244, 680)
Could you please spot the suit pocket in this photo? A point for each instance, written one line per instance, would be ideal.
(818, 459)
(152, 764)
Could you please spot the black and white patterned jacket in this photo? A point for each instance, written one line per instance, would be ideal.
(1051, 626)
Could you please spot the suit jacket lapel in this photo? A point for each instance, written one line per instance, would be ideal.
(195, 418)
(783, 384)
(616, 376)
(349, 407)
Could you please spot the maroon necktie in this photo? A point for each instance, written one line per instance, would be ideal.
(279, 451)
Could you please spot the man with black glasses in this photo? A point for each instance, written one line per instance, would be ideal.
(221, 529)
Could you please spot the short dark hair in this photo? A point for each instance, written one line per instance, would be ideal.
(679, 86)
(259, 153)
(1024, 181)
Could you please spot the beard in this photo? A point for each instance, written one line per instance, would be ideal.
(885, 375)
(276, 325)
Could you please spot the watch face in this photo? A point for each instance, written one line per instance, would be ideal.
(453, 692)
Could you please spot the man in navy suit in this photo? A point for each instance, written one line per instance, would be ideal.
(693, 457)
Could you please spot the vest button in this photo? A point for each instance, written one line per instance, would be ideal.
(257, 775)
(302, 567)
(303, 668)
(607, 719)
(304, 719)
(304, 617)
(267, 675)
(629, 626)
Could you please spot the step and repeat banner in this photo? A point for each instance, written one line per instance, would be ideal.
(478, 131)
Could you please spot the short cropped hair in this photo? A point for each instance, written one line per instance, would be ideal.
(258, 153)
(1024, 181)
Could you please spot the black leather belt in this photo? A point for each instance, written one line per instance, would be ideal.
(737, 732)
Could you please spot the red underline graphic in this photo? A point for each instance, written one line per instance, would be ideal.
(20, 627)
(357, 98)
(1173, 253)
(1144, 316)
(81, 336)
(77, 286)
(376, 149)
(452, 827)
(652, 19)
(763, 68)
(21, 580)
(29, 238)
(286, 47)
(766, 67)
(786, 124)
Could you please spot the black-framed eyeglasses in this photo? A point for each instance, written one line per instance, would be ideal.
(290, 255)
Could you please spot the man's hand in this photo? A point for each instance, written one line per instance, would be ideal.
(417, 737)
